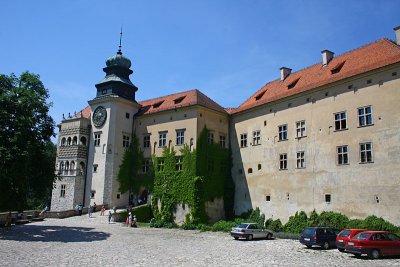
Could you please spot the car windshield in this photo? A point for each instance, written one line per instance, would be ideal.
(242, 225)
(345, 233)
(362, 236)
(309, 231)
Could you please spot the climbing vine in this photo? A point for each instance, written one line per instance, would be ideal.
(204, 175)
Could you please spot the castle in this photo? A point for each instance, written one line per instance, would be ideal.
(326, 137)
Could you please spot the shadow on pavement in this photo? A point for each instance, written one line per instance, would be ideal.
(38, 233)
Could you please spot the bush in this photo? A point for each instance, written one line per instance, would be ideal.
(225, 226)
(143, 213)
(377, 223)
(332, 219)
(296, 223)
(257, 217)
(274, 225)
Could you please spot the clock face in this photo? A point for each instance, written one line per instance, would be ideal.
(99, 116)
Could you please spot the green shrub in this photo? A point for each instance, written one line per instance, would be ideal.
(223, 226)
(376, 223)
(332, 219)
(274, 225)
(257, 217)
(296, 223)
(143, 213)
(203, 227)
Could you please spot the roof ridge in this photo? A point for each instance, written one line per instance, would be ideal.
(165, 96)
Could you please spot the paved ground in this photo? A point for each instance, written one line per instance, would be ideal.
(93, 242)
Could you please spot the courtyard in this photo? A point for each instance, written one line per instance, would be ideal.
(93, 242)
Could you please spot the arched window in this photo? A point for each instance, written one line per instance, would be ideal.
(62, 165)
(81, 168)
(75, 140)
(72, 165)
(66, 165)
(83, 141)
(69, 141)
(63, 140)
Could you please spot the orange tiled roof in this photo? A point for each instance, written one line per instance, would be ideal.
(85, 112)
(184, 99)
(366, 58)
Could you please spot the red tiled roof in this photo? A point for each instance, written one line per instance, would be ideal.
(85, 112)
(230, 110)
(366, 58)
(184, 99)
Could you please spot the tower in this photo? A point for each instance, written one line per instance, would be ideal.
(113, 111)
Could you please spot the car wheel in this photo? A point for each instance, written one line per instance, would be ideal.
(236, 238)
(325, 245)
(250, 237)
(269, 236)
(341, 249)
(308, 246)
(374, 254)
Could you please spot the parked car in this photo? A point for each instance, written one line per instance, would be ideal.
(250, 231)
(344, 236)
(375, 244)
(324, 237)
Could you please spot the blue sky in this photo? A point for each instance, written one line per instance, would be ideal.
(226, 49)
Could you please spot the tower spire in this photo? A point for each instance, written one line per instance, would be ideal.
(120, 41)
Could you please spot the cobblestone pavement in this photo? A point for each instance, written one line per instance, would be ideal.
(93, 242)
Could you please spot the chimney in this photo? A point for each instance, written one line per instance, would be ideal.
(284, 73)
(397, 31)
(326, 57)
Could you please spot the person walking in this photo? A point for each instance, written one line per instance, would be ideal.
(103, 209)
(109, 216)
(90, 209)
(94, 207)
(80, 207)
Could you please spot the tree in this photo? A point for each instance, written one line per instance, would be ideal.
(26, 152)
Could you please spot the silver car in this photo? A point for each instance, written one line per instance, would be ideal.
(250, 231)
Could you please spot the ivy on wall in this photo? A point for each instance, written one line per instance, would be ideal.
(204, 176)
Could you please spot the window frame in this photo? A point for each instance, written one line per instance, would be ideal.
(96, 139)
(63, 189)
(162, 139)
(210, 138)
(283, 132)
(125, 140)
(342, 157)
(300, 159)
(369, 159)
(222, 141)
(301, 129)
(146, 143)
(256, 137)
(283, 163)
(243, 140)
(180, 137)
(338, 122)
(365, 116)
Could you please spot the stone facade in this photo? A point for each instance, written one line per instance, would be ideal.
(323, 138)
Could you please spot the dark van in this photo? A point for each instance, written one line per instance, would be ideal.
(324, 237)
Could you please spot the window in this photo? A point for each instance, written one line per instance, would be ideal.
(300, 129)
(268, 198)
(125, 141)
(179, 99)
(162, 139)
(62, 192)
(75, 140)
(210, 138)
(243, 140)
(92, 193)
(95, 167)
(127, 115)
(342, 155)
(63, 141)
(118, 195)
(180, 137)
(300, 160)
(250, 170)
(366, 152)
(97, 139)
(256, 138)
(178, 163)
(340, 121)
(283, 161)
(146, 166)
(160, 164)
(146, 141)
(282, 132)
(259, 166)
(328, 198)
(365, 116)
(222, 141)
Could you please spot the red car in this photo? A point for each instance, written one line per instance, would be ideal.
(374, 243)
(344, 236)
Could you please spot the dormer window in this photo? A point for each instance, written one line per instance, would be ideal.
(158, 104)
(293, 84)
(260, 95)
(179, 99)
(338, 67)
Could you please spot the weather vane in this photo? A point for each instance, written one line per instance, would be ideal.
(120, 41)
